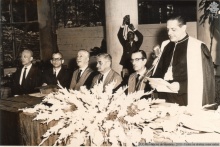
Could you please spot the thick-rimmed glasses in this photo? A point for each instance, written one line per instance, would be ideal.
(137, 59)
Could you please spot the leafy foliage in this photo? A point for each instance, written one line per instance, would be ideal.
(210, 8)
(79, 13)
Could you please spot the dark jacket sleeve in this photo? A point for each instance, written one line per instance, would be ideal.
(208, 76)
(121, 37)
(140, 38)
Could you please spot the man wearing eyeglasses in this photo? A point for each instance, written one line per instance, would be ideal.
(106, 73)
(27, 78)
(57, 74)
(84, 75)
(137, 79)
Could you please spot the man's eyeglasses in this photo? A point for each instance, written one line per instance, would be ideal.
(56, 59)
(137, 59)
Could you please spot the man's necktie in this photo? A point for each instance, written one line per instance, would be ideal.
(101, 78)
(78, 76)
(55, 74)
(24, 76)
(136, 81)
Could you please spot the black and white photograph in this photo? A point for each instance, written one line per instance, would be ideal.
(110, 73)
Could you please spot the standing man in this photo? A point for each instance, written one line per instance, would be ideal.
(27, 78)
(137, 80)
(187, 65)
(106, 73)
(57, 74)
(129, 45)
(84, 75)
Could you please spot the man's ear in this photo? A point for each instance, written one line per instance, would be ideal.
(51, 61)
(62, 61)
(184, 27)
(145, 61)
(31, 58)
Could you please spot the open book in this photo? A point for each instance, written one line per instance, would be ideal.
(162, 85)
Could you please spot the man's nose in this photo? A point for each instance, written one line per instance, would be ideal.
(169, 32)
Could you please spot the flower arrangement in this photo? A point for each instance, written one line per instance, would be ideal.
(96, 117)
(211, 11)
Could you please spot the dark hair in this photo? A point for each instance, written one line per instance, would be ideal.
(130, 32)
(179, 18)
(58, 53)
(105, 56)
(144, 55)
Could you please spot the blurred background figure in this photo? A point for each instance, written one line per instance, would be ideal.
(129, 45)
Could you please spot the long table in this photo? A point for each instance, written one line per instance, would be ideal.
(18, 128)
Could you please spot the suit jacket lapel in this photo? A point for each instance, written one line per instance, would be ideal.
(60, 73)
(83, 77)
(141, 83)
(132, 83)
(108, 78)
(30, 73)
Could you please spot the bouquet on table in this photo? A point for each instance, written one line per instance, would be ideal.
(96, 117)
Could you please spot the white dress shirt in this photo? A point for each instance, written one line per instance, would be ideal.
(22, 71)
(57, 70)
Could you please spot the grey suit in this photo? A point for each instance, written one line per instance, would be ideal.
(112, 76)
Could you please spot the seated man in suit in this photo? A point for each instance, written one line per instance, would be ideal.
(106, 73)
(137, 80)
(83, 75)
(28, 77)
(57, 74)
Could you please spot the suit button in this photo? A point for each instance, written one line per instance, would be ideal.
(127, 52)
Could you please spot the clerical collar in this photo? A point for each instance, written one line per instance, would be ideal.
(184, 39)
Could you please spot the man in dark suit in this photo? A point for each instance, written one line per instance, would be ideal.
(129, 45)
(84, 75)
(27, 78)
(106, 73)
(57, 74)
